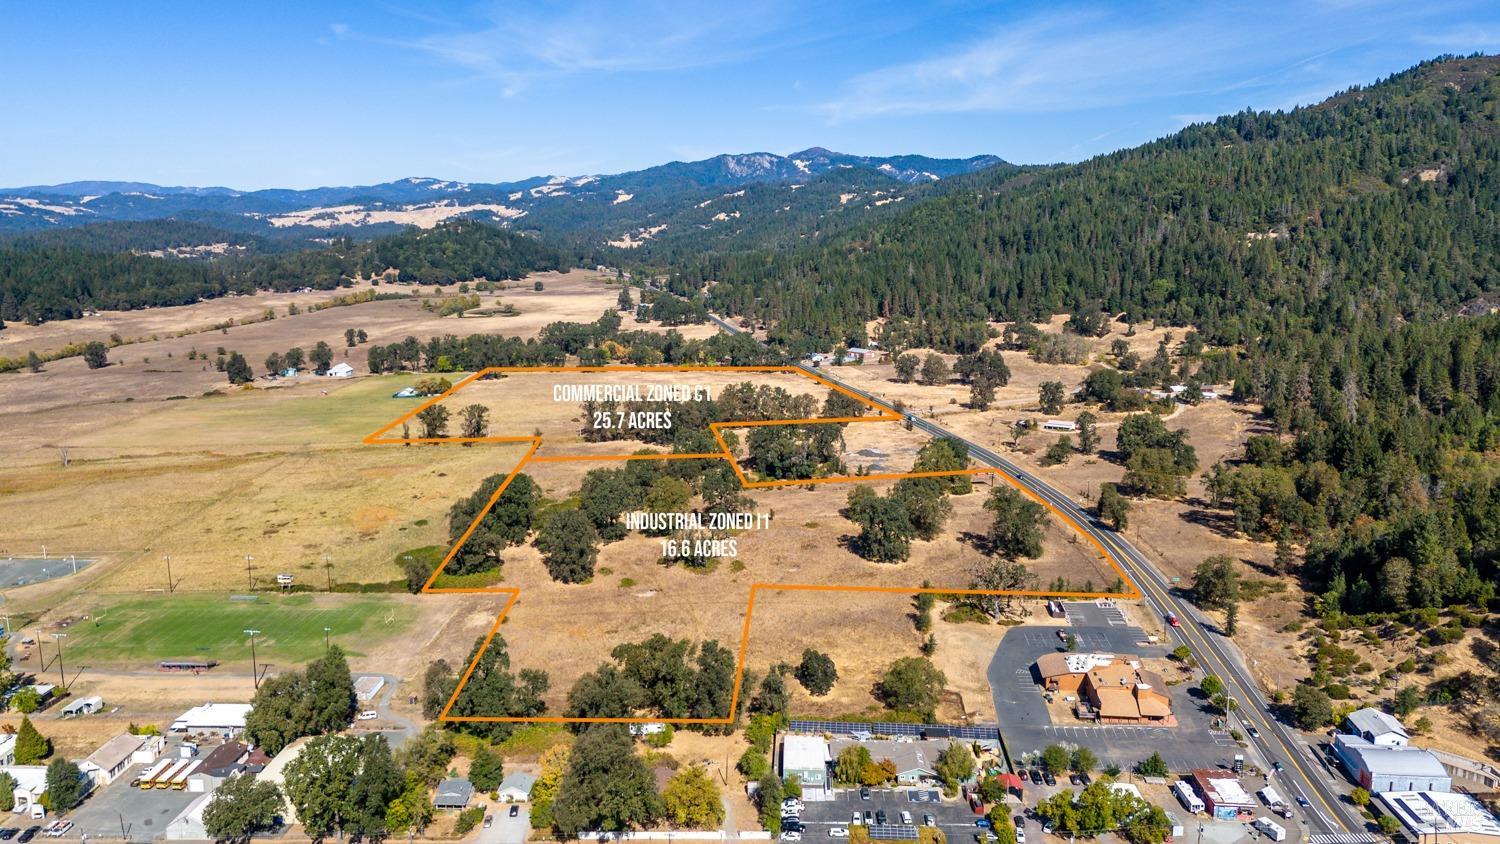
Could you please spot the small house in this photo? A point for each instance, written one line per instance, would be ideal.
(340, 370)
(516, 787)
(289, 372)
(453, 794)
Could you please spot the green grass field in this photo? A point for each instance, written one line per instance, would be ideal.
(138, 630)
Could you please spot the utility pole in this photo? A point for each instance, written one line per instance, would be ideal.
(62, 677)
(170, 586)
(254, 668)
(248, 576)
(328, 569)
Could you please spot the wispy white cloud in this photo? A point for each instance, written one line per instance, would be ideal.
(1067, 60)
(1084, 58)
(517, 47)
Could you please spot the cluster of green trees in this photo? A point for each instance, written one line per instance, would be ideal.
(43, 280)
(1098, 810)
(595, 344)
(288, 706)
(492, 690)
(670, 678)
(915, 508)
(603, 784)
(346, 785)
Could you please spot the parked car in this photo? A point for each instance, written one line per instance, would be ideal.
(1036, 776)
(838, 832)
(983, 823)
(791, 806)
(29, 834)
(59, 829)
(1048, 778)
(1254, 733)
(880, 817)
(856, 819)
(489, 821)
(906, 817)
(8, 833)
(1073, 779)
(1020, 822)
(929, 820)
(790, 835)
(1085, 778)
(515, 810)
(1020, 835)
(864, 792)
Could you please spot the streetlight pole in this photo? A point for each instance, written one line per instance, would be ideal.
(326, 631)
(328, 569)
(254, 668)
(170, 586)
(62, 677)
(248, 576)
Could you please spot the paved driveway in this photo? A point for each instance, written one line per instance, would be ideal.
(506, 829)
(1027, 728)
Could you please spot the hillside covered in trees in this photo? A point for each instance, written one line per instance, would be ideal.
(1379, 204)
(59, 276)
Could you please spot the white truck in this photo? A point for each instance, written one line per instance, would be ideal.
(1272, 829)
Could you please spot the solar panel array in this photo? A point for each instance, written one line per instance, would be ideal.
(892, 832)
(980, 733)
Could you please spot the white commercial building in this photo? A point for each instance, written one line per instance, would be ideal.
(225, 719)
(115, 756)
(806, 757)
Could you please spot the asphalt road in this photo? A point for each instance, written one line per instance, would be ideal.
(1301, 775)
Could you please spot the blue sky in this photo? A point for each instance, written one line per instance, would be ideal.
(298, 94)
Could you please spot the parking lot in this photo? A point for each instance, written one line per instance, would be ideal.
(142, 814)
(1027, 727)
(953, 816)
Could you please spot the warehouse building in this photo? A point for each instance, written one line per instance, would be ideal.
(225, 719)
(1379, 768)
(1432, 817)
(1376, 727)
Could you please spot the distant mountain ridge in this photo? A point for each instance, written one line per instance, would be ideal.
(424, 201)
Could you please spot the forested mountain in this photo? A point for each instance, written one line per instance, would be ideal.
(1378, 204)
(42, 281)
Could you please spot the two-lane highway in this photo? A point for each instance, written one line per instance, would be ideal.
(1301, 774)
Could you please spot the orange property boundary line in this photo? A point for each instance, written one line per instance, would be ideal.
(884, 414)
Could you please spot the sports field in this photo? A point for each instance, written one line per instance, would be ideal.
(140, 630)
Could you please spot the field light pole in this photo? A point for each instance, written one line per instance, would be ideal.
(328, 569)
(170, 586)
(254, 669)
(326, 631)
(62, 677)
(248, 576)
